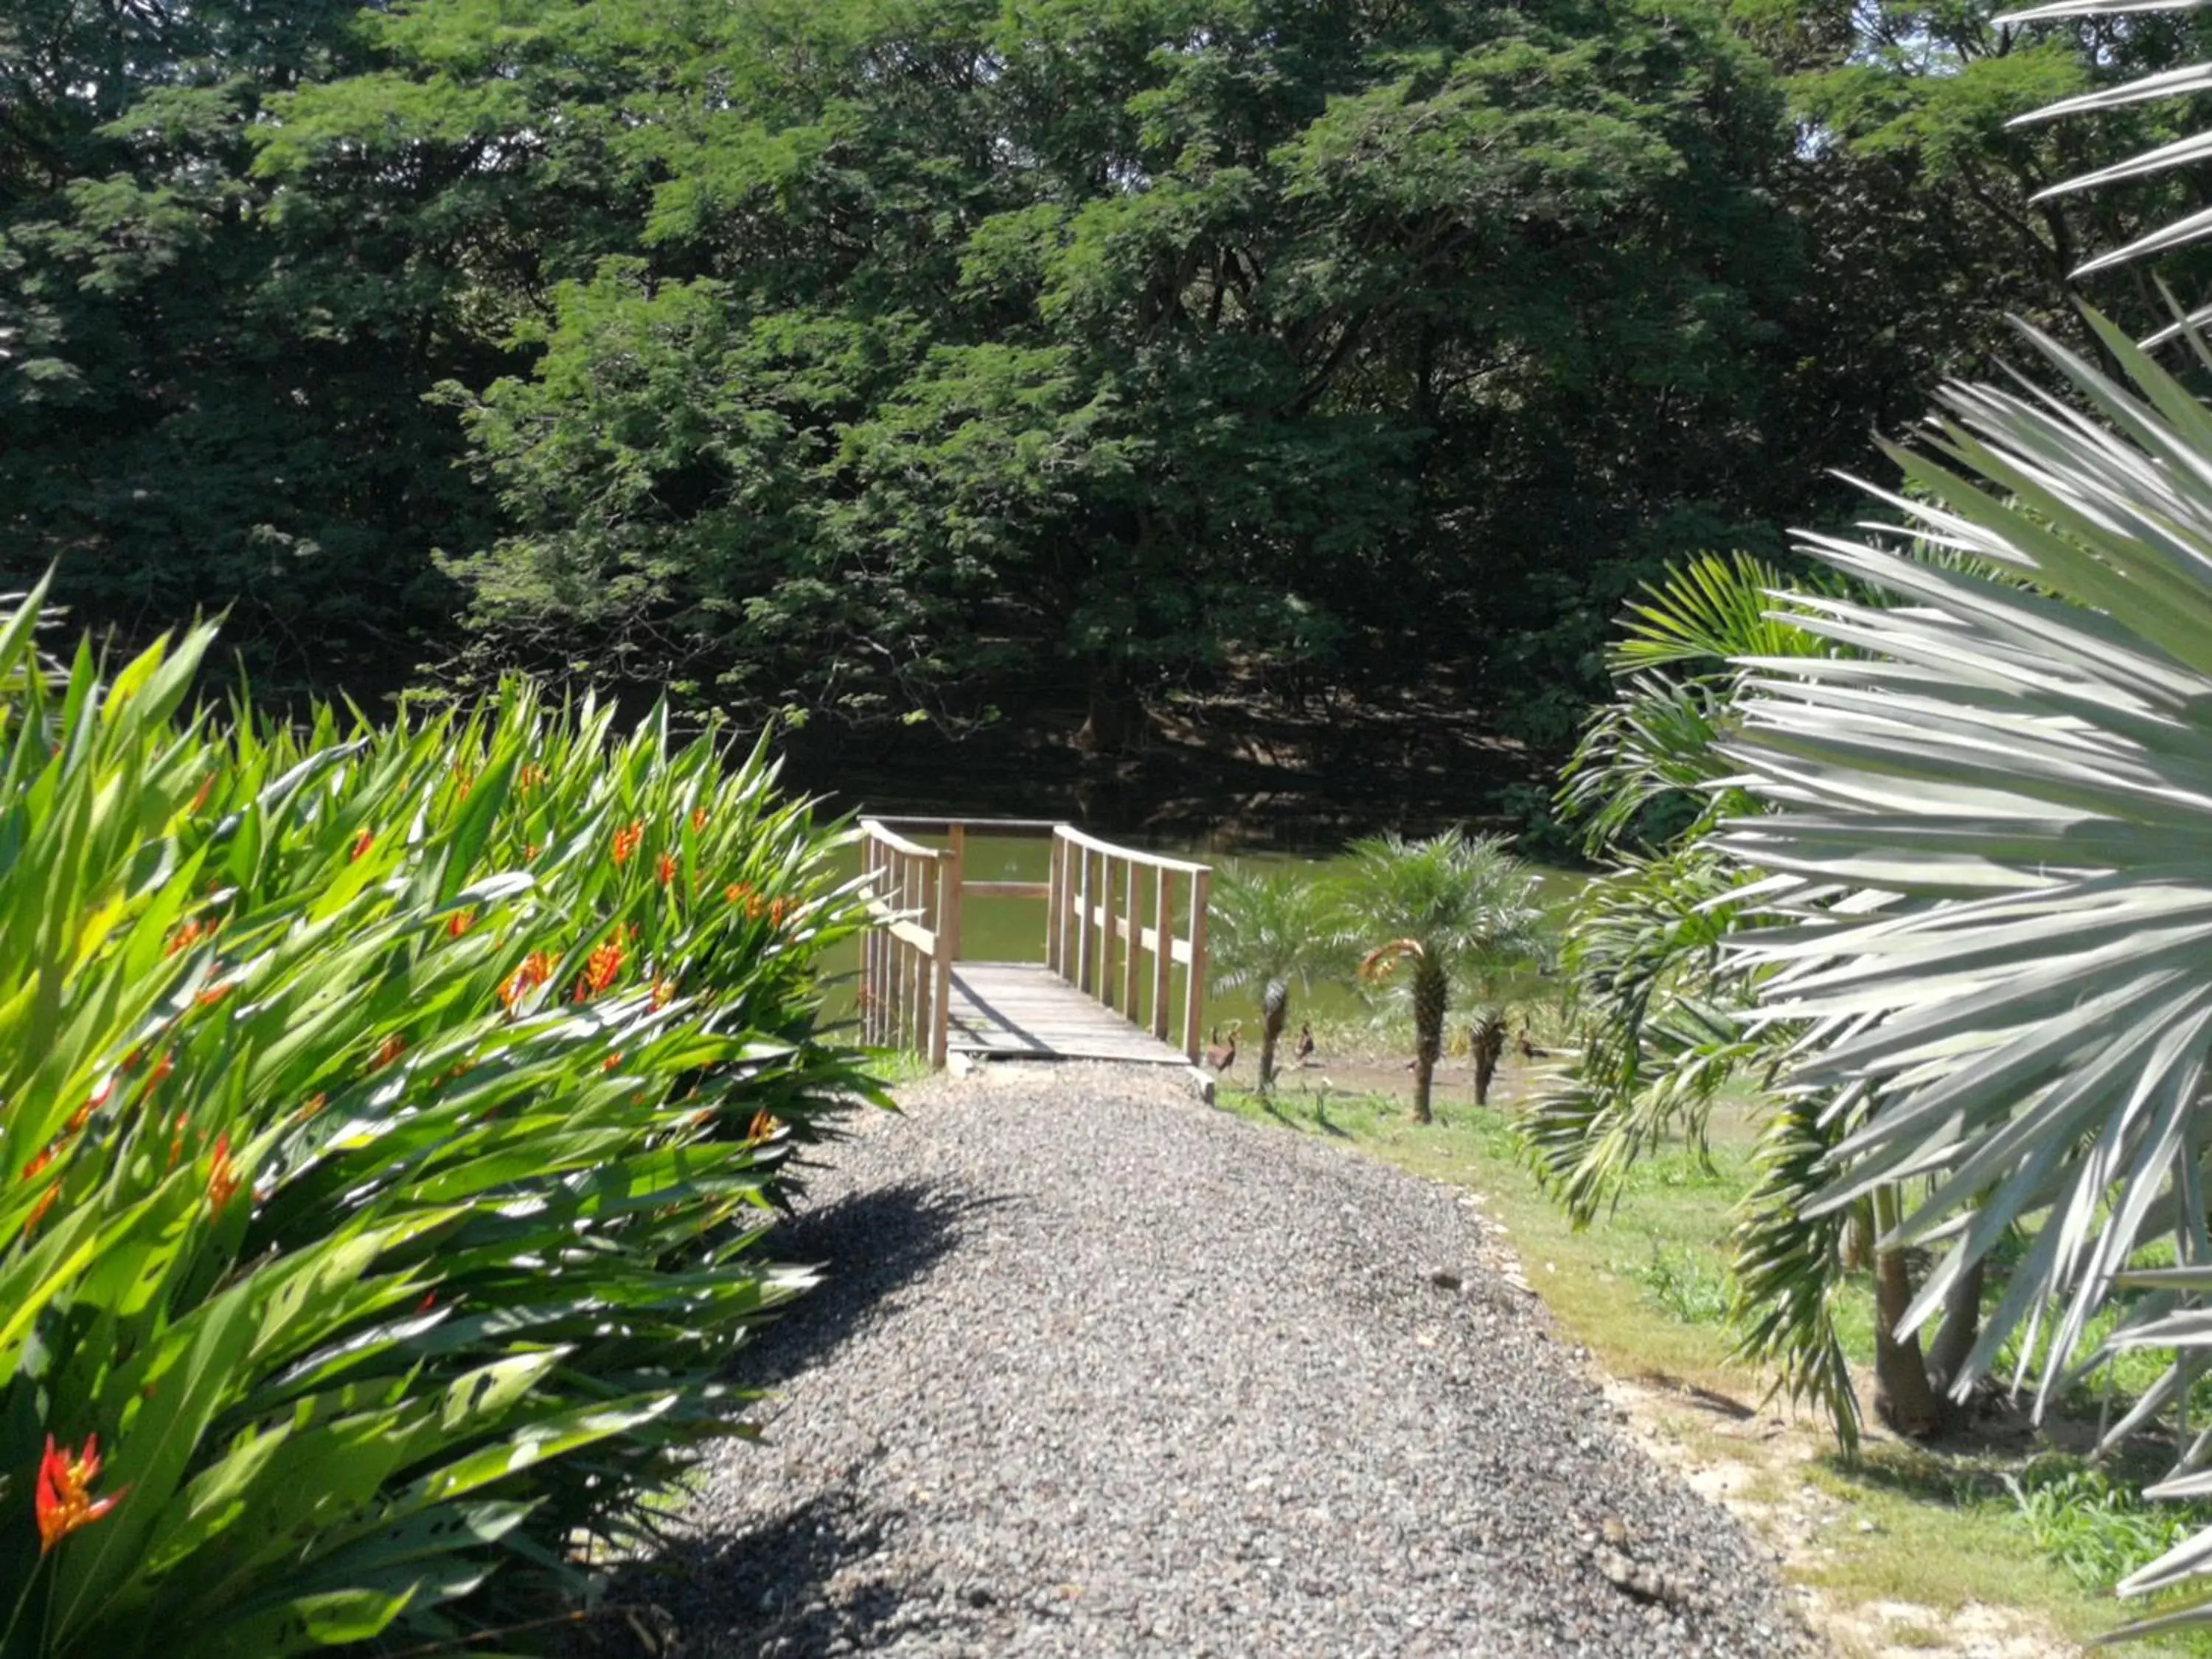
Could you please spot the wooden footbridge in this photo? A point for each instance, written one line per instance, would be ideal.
(1123, 939)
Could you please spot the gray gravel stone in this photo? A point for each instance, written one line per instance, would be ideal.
(1100, 1370)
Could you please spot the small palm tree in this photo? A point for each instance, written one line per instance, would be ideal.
(1268, 929)
(1447, 907)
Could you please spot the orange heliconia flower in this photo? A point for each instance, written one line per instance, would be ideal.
(177, 1138)
(393, 1047)
(611, 1062)
(738, 890)
(665, 867)
(529, 776)
(206, 788)
(599, 971)
(36, 1166)
(360, 844)
(38, 1210)
(187, 934)
(763, 1126)
(537, 968)
(698, 820)
(314, 1103)
(663, 992)
(93, 1102)
(626, 842)
(162, 1067)
(223, 1176)
(213, 994)
(461, 922)
(63, 1496)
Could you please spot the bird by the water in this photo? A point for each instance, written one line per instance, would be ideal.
(1222, 1055)
(1305, 1048)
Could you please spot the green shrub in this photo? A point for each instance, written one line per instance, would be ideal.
(2099, 1530)
(387, 1126)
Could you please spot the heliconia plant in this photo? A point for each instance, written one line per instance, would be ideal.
(389, 1118)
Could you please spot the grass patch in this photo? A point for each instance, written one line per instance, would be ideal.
(1646, 1291)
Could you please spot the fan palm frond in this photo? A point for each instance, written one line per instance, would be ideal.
(2015, 787)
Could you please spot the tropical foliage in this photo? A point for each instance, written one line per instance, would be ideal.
(2012, 1024)
(390, 1121)
(1267, 931)
(880, 358)
(1453, 907)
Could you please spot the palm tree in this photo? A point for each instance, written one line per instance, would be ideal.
(1442, 908)
(1267, 929)
(1991, 825)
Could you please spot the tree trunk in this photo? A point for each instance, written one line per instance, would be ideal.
(1431, 992)
(1956, 1336)
(1858, 1238)
(1902, 1398)
(1486, 1042)
(1275, 1007)
(1115, 716)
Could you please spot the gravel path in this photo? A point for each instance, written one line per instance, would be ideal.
(1101, 1370)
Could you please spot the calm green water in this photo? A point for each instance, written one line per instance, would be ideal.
(1012, 930)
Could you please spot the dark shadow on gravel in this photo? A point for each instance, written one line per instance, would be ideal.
(759, 1591)
(868, 1245)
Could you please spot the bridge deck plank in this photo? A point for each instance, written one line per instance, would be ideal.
(1022, 1010)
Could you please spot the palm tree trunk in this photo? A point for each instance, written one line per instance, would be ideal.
(1431, 993)
(1902, 1396)
(1275, 1008)
(1488, 1041)
(1961, 1327)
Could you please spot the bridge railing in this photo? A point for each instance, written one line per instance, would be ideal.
(1110, 930)
(906, 958)
(1111, 926)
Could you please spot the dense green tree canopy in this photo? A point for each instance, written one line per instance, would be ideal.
(897, 359)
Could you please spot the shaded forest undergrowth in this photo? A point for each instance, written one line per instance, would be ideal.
(1240, 766)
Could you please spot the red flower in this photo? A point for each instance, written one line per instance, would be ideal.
(38, 1210)
(537, 968)
(394, 1045)
(461, 922)
(63, 1495)
(626, 842)
(223, 1176)
(360, 844)
(187, 934)
(599, 971)
(665, 867)
(698, 820)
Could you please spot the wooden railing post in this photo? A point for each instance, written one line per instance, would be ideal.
(950, 874)
(1193, 990)
(1110, 934)
(1082, 977)
(1162, 951)
(1055, 917)
(1134, 919)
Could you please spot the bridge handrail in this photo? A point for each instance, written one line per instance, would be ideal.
(1091, 941)
(1084, 953)
(1134, 854)
(906, 960)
